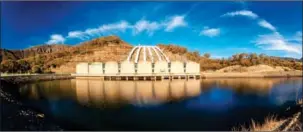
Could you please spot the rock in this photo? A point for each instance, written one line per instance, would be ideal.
(40, 115)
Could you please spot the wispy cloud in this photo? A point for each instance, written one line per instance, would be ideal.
(140, 26)
(245, 13)
(77, 34)
(273, 41)
(265, 24)
(276, 41)
(210, 32)
(297, 37)
(56, 39)
(119, 26)
(144, 25)
(174, 22)
(104, 29)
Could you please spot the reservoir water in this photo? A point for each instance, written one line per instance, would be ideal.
(207, 104)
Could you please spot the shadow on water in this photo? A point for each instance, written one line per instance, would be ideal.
(208, 104)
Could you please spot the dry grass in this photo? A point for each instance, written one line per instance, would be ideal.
(271, 124)
(298, 126)
(300, 101)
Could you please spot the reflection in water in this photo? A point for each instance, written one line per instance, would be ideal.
(217, 104)
(56, 89)
(260, 86)
(289, 91)
(98, 93)
(93, 92)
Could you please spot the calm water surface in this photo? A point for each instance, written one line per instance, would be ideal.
(208, 104)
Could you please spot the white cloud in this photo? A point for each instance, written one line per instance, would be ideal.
(144, 25)
(104, 29)
(77, 34)
(210, 32)
(174, 22)
(93, 32)
(265, 24)
(275, 41)
(56, 39)
(298, 36)
(246, 13)
(120, 26)
(107, 28)
(140, 26)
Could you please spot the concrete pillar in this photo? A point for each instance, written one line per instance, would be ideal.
(135, 78)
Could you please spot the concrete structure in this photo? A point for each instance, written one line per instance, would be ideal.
(82, 68)
(161, 67)
(177, 67)
(111, 68)
(127, 67)
(158, 55)
(192, 68)
(144, 68)
(95, 68)
(142, 63)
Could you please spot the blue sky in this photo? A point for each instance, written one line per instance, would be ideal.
(218, 28)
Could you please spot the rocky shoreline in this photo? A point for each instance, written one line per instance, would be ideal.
(33, 78)
(17, 117)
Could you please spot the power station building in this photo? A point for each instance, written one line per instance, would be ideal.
(141, 61)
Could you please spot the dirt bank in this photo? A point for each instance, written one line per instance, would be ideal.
(252, 71)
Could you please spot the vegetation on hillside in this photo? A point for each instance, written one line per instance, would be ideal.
(45, 58)
(243, 59)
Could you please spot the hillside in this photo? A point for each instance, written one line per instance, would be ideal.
(63, 58)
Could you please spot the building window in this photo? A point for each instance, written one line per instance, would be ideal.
(153, 70)
(153, 65)
(169, 65)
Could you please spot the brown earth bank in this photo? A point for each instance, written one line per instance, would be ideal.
(61, 58)
(252, 71)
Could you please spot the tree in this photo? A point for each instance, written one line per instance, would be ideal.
(36, 69)
(9, 66)
(206, 55)
(24, 66)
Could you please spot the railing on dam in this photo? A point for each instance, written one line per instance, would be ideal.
(138, 76)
